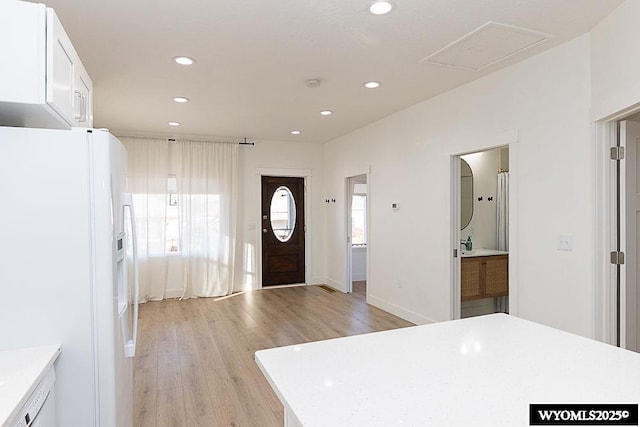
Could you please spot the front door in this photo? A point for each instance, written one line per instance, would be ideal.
(282, 230)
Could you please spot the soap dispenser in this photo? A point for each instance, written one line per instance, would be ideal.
(468, 245)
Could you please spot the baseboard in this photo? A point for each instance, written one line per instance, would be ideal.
(318, 281)
(335, 284)
(359, 277)
(401, 312)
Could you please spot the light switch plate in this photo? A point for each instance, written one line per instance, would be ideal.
(565, 243)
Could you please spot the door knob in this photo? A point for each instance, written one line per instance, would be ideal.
(264, 230)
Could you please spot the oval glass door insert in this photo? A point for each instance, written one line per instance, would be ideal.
(283, 213)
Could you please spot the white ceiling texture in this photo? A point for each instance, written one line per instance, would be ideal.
(254, 58)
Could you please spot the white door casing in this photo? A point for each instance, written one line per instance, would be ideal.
(630, 233)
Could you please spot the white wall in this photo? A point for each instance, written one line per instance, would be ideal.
(283, 157)
(615, 64)
(482, 228)
(545, 101)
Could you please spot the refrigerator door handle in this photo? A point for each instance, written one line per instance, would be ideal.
(130, 345)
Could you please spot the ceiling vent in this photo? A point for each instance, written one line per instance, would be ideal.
(489, 44)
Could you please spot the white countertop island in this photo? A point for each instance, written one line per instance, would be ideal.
(20, 372)
(482, 371)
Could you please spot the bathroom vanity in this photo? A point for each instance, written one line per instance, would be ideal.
(484, 274)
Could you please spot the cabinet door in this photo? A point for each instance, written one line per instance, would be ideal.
(61, 58)
(470, 279)
(496, 276)
(22, 31)
(83, 98)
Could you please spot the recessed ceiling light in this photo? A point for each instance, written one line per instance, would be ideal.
(295, 132)
(371, 85)
(174, 124)
(184, 60)
(326, 112)
(180, 99)
(380, 7)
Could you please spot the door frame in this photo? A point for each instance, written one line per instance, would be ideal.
(295, 173)
(605, 211)
(348, 204)
(605, 133)
(347, 228)
(511, 140)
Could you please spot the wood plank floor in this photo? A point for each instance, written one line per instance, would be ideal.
(195, 359)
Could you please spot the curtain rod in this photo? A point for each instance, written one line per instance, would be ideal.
(215, 140)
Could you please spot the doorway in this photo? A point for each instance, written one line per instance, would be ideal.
(283, 230)
(482, 232)
(358, 231)
(620, 238)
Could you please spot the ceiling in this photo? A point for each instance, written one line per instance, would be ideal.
(254, 57)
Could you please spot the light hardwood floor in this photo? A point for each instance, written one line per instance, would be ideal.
(195, 359)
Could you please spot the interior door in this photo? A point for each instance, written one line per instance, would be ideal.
(630, 139)
(283, 230)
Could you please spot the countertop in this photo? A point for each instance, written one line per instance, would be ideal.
(478, 371)
(20, 372)
(482, 252)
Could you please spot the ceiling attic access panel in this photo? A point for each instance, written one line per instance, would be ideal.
(489, 44)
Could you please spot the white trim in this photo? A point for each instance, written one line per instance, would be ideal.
(514, 171)
(347, 234)
(319, 281)
(334, 284)
(456, 303)
(401, 312)
(609, 111)
(604, 199)
(297, 173)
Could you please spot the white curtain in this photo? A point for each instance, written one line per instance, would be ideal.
(502, 210)
(207, 196)
(147, 168)
(502, 221)
(185, 197)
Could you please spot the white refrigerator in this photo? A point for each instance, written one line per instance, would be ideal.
(66, 274)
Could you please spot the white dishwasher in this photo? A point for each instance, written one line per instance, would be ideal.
(40, 408)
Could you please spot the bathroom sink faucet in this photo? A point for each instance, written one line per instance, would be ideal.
(466, 244)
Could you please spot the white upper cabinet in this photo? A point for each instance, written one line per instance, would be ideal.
(42, 81)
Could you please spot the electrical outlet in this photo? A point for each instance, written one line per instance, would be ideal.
(565, 243)
(399, 284)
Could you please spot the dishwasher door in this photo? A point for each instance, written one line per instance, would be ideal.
(40, 409)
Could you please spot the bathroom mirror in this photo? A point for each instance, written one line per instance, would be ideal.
(466, 194)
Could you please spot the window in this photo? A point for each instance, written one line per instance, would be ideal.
(359, 220)
(283, 213)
